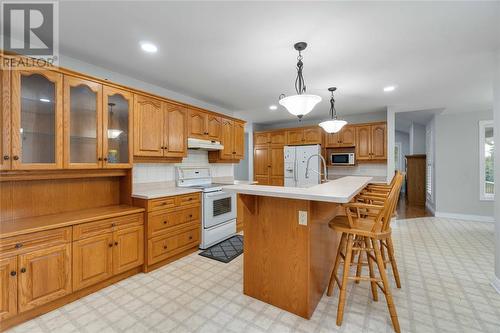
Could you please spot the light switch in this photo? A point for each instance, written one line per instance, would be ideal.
(302, 217)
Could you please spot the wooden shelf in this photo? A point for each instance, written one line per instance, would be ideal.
(17, 175)
(27, 225)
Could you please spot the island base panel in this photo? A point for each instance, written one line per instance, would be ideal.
(286, 264)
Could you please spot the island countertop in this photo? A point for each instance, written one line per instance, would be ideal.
(340, 190)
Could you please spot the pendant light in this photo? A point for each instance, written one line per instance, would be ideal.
(333, 125)
(302, 103)
(112, 133)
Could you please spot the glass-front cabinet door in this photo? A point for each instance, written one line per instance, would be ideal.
(82, 123)
(117, 129)
(36, 120)
(5, 156)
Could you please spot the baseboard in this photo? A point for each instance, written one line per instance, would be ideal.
(496, 284)
(430, 207)
(477, 218)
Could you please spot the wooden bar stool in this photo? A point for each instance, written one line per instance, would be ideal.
(362, 228)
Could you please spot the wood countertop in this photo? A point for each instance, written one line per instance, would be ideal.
(340, 190)
(27, 225)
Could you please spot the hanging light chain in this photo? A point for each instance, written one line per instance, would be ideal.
(300, 86)
(333, 111)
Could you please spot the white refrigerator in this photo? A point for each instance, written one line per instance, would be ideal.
(295, 165)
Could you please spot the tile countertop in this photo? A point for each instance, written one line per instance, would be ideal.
(159, 190)
(339, 190)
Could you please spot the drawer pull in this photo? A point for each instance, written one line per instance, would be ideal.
(6, 157)
(110, 244)
(164, 222)
(190, 215)
(164, 247)
(113, 224)
(23, 270)
(19, 245)
(13, 273)
(163, 203)
(116, 243)
(190, 199)
(190, 237)
(15, 157)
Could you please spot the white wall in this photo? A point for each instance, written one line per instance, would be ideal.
(457, 165)
(496, 107)
(417, 139)
(404, 139)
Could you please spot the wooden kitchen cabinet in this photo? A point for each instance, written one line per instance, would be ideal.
(276, 171)
(261, 165)
(371, 142)
(295, 137)
(92, 260)
(346, 137)
(44, 275)
(305, 136)
(227, 139)
(8, 287)
(233, 136)
(313, 135)
(160, 128)
(37, 119)
(197, 124)
(278, 138)
(261, 138)
(128, 250)
(214, 127)
(5, 116)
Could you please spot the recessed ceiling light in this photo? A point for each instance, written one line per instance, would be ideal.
(273, 107)
(389, 88)
(45, 100)
(149, 47)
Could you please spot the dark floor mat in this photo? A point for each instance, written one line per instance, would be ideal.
(225, 251)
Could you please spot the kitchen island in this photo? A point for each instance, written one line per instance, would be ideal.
(289, 248)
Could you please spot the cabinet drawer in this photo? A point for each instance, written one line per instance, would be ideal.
(188, 199)
(163, 247)
(20, 244)
(162, 203)
(159, 222)
(96, 228)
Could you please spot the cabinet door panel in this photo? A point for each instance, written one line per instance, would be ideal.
(82, 123)
(277, 181)
(332, 140)
(239, 140)
(37, 124)
(92, 260)
(261, 162)
(118, 135)
(148, 124)
(227, 139)
(197, 124)
(175, 130)
(379, 141)
(363, 142)
(261, 180)
(295, 137)
(5, 153)
(261, 139)
(348, 136)
(8, 287)
(312, 135)
(128, 251)
(44, 276)
(214, 127)
(278, 138)
(277, 161)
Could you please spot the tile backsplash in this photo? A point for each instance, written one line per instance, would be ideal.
(165, 172)
(368, 169)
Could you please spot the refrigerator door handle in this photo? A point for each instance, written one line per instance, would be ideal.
(295, 171)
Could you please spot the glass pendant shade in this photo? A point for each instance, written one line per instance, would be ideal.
(114, 133)
(332, 125)
(300, 105)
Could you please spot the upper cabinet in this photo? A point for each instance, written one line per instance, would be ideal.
(233, 140)
(5, 153)
(37, 119)
(344, 138)
(371, 142)
(160, 128)
(204, 125)
(305, 136)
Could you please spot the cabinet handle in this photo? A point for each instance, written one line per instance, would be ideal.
(19, 245)
(116, 243)
(164, 222)
(13, 273)
(190, 237)
(99, 159)
(190, 215)
(23, 270)
(105, 159)
(234, 152)
(163, 203)
(113, 224)
(110, 244)
(6, 157)
(164, 247)
(190, 199)
(15, 157)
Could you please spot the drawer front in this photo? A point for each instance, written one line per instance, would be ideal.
(159, 223)
(188, 199)
(163, 247)
(86, 230)
(20, 244)
(163, 203)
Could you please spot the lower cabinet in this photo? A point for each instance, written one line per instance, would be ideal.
(166, 246)
(128, 250)
(8, 287)
(44, 275)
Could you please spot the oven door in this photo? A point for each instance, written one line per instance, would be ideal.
(218, 207)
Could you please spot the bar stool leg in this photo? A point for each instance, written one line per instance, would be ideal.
(359, 243)
(390, 250)
(336, 266)
(382, 251)
(373, 284)
(343, 287)
(387, 290)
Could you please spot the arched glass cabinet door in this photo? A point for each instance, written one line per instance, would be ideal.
(5, 155)
(82, 124)
(117, 129)
(37, 131)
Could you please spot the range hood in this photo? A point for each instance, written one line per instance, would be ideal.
(204, 144)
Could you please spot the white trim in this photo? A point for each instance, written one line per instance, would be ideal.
(470, 217)
(496, 284)
(430, 207)
(483, 196)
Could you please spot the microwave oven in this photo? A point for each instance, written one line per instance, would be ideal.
(342, 159)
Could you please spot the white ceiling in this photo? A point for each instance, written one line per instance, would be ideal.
(239, 55)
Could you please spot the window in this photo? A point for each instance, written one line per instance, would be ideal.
(429, 147)
(486, 159)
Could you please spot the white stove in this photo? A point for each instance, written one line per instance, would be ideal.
(218, 220)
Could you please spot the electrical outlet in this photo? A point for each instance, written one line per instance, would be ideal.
(302, 217)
